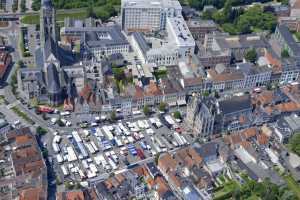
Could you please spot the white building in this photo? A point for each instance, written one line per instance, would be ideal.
(147, 15)
(180, 35)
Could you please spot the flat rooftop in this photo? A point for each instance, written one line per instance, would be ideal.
(241, 41)
(151, 4)
(104, 36)
(195, 23)
(180, 31)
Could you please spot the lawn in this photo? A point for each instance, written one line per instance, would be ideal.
(60, 15)
(292, 184)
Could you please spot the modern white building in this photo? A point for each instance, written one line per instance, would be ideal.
(180, 35)
(148, 15)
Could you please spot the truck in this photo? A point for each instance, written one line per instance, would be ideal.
(107, 132)
(112, 164)
(170, 146)
(90, 148)
(55, 147)
(82, 150)
(66, 113)
(178, 139)
(57, 139)
(71, 154)
(118, 142)
(64, 170)
(94, 146)
(76, 136)
(59, 158)
(169, 119)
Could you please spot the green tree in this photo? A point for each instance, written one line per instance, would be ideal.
(113, 116)
(77, 186)
(147, 110)
(285, 53)
(294, 143)
(156, 158)
(41, 131)
(251, 55)
(162, 106)
(23, 5)
(177, 115)
(68, 185)
(90, 11)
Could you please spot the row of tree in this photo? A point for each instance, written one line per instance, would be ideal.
(199, 4)
(240, 21)
(264, 190)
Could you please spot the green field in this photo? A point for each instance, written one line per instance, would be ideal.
(62, 14)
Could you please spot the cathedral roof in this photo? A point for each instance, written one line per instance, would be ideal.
(53, 83)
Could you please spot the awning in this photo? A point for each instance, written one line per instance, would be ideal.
(181, 102)
(172, 103)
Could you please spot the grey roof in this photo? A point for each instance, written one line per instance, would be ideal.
(139, 38)
(53, 83)
(241, 41)
(104, 36)
(288, 37)
(250, 69)
(208, 149)
(50, 48)
(235, 104)
(39, 58)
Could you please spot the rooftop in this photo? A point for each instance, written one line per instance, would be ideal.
(241, 41)
(235, 104)
(180, 31)
(201, 23)
(289, 39)
(151, 4)
(104, 36)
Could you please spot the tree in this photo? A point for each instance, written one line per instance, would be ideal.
(294, 143)
(20, 63)
(41, 131)
(90, 11)
(113, 116)
(251, 55)
(177, 115)
(60, 123)
(23, 5)
(162, 106)
(77, 186)
(45, 153)
(285, 53)
(156, 158)
(146, 110)
(68, 185)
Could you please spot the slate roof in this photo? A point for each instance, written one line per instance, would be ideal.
(288, 37)
(139, 38)
(104, 36)
(235, 104)
(53, 79)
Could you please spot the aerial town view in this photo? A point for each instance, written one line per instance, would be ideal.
(149, 99)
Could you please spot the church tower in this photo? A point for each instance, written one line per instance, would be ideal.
(47, 22)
